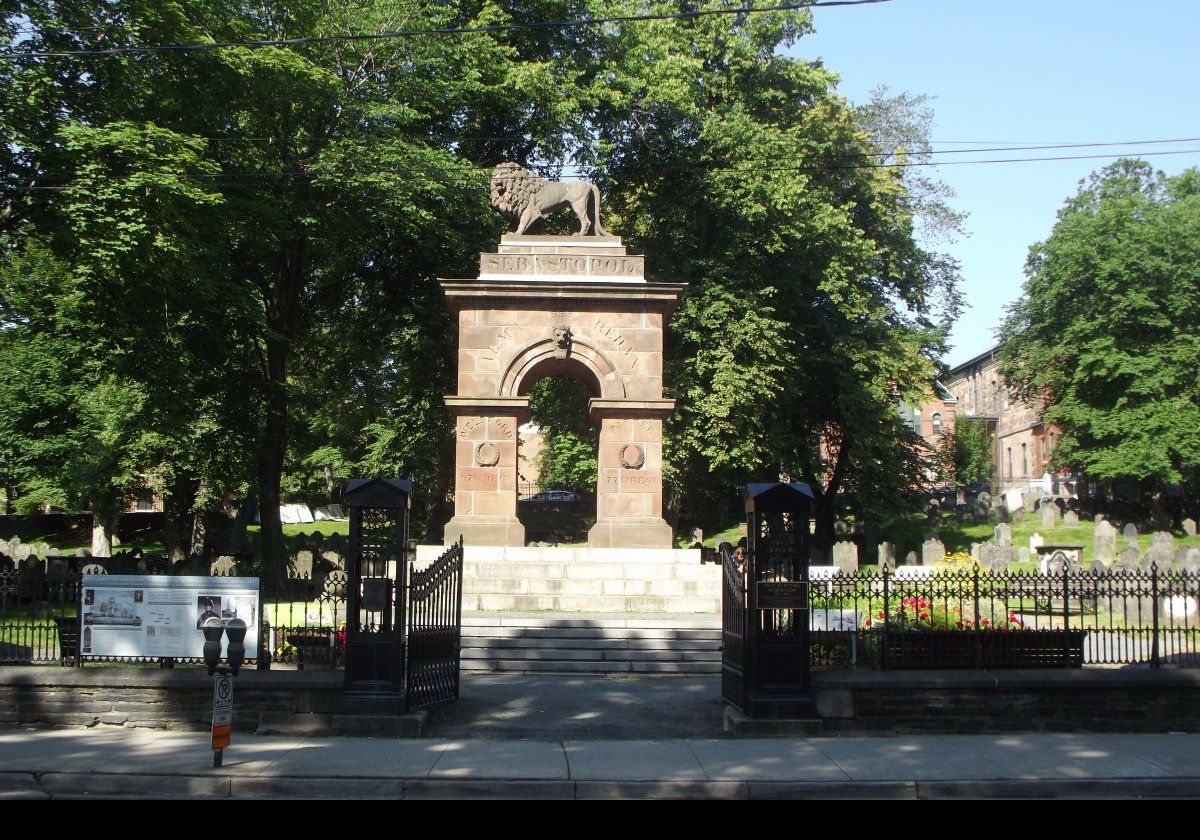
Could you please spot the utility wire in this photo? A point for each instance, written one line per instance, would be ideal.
(416, 33)
(473, 177)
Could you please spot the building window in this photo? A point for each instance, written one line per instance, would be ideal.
(937, 424)
(1010, 472)
(1024, 459)
(916, 426)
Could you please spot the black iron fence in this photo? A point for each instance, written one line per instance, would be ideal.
(303, 617)
(976, 619)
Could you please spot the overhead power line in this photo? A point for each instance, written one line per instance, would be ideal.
(416, 33)
(474, 176)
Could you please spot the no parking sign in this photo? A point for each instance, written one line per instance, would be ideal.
(222, 725)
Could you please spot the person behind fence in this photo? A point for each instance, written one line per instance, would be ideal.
(739, 559)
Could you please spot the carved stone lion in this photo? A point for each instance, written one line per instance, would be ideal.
(518, 193)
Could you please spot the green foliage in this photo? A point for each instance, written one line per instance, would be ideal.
(966, 452)
(1107, 335)
(559, 408)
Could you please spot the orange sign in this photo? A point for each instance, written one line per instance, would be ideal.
(220, 735)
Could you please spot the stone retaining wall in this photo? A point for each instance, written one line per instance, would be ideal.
(157, 699)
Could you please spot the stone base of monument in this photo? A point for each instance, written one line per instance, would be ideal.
(585, 580)
(486, 530)
(631, 533)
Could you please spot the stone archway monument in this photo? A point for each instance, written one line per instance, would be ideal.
(576, 306)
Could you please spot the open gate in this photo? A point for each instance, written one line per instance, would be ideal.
(404, 624)
(434, 630)
(733, 631)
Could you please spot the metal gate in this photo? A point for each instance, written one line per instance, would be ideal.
(733, 631)
(434, 630)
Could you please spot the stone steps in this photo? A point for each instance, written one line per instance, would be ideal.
(598, 644)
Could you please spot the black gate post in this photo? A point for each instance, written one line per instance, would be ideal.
(778, 683)
(375, 588)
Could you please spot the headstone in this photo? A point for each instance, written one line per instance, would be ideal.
(1098, 566)
(975, 549)
(1129, 560)
(1050, 514)
(1191, 561)
(21, 552)
(1131, 533)
(1106, 542)
(996, 558)
(223, 566)
(1061, 561)
(1023, 554)
(1029, 502)
(1161, 552)
(1017, 516)
(333, 558)
(1012, 499)
(910, 559)
(1071, 519)
(1002, 534)
(1189, 527)
(698, 535)
(288, 515)
(933, 514)
(932, 552)
(302, 565)
(983, 505)
(887, 555)
(1035, 542)
(845, 556)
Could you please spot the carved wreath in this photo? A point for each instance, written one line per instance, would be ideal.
(631, 456)
(487, 455)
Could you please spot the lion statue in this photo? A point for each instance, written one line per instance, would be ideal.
(518, 193)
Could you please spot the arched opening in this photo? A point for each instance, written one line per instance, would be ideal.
(557, 453)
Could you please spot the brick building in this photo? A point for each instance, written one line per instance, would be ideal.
(1023, 442)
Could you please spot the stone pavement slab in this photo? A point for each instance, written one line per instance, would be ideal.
(910, 757)
(355, 757)
(633, 761)
(774, 759)
(530, 760)
(1054, 756)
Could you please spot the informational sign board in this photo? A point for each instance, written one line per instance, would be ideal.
(222, 725)
(782, 595)
(160, 615)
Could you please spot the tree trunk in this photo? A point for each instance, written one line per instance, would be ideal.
(238, 544)
(177, 518)
(104, 527)
(280, 303)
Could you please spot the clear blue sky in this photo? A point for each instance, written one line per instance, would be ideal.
(1022, 72)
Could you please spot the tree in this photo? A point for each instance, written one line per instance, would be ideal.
(966, 453)
(1107, 334)
(559, 408)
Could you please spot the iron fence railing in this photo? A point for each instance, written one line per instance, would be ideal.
(303, 617)
(977, 619)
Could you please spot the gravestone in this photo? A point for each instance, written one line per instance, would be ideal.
(932, 552)
(995, 558)
(21, 552)
(1189, 527)
(982, 507)
(933, 514)
(1035, 542)
(845, 556)
(1131, 534)
(1002, 534)
(1060, 562)
(910, 559)
(1017, 516)
(1070, 519)
(1050, 514)
(1191, 561)
(1029, 503)
(887, 555)
(302, 565)
(975, 547)
(1129, 560)
(223, 566)
(1161, 552)
(698, 536)
(1106, 542)
(1012, 499)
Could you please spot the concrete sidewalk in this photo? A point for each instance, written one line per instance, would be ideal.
(147, 763)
